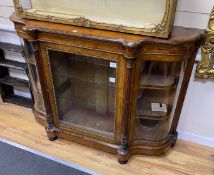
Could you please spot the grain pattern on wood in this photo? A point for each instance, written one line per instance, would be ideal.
(18, 125)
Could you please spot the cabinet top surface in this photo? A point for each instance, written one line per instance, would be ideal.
(179, 35)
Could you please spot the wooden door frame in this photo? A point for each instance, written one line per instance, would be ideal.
(44, 47)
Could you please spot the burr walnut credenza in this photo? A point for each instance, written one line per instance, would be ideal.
(116, 92)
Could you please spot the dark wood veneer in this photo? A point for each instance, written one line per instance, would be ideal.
(129, 52)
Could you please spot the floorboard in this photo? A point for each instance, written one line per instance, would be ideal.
(17, 124)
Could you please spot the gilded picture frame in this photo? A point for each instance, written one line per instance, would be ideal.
(205, 68)
(161, 29)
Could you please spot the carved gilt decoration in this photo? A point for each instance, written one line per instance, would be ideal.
(159, 30)
(205, 68)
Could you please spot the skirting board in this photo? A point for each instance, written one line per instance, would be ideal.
(196, 139)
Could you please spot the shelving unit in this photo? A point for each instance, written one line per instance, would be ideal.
(7, 83)
(13, 64)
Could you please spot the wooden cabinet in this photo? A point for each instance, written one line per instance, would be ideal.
(119, 93)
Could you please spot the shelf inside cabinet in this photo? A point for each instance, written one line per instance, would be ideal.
(90, 119)
(144, 110)
(157, 82)
(145, 100)
(85, 81)
(153, 130)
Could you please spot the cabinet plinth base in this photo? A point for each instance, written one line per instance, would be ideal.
(149, 149)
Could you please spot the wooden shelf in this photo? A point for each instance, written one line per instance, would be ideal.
(15, 99)
(90, 120)
(144, 111)
(107, 83)
(156, 82)
(163, 88)
(13, 64)
(152, 130)
(14, 82)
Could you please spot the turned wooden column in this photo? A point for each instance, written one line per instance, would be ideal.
(34, 44)
(130, 57)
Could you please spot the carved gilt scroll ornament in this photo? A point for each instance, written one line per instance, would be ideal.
(161, 29)
(205, 68)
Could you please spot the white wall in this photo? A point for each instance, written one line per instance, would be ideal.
(197, 117)
(193, 13)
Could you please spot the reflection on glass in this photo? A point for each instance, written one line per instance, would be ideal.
(84, 90)
(135, 13)
(158, 91)
(33, 76)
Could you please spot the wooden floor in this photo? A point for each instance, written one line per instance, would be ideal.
(17, 124)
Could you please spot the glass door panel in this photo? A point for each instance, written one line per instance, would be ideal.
(157, 95)
(85, 89)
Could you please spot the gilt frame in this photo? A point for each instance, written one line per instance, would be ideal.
(205, 68)
(162, 29)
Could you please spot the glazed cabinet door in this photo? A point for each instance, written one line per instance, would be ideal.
(157, 90)
(34, 75)
(83, 90)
